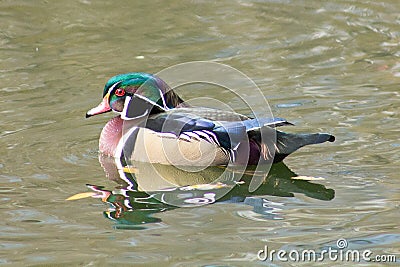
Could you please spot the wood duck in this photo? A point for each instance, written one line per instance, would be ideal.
(155, 125)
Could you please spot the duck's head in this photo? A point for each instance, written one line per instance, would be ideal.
(135, 95)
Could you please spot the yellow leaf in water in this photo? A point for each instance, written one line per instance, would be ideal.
(81, 195)
(130, 169)
(308, 178)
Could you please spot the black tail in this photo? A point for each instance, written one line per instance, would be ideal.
(287, 143)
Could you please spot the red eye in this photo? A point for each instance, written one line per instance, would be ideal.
(120, 92)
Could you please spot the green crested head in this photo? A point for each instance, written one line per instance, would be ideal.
(147, 87)
(139, 83)
(133, 79)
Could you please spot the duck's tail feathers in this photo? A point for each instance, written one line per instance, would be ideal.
(287, 143)
(256, 124)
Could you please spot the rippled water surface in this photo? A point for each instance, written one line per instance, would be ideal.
(331, 67)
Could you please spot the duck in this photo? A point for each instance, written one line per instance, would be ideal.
(154, 124)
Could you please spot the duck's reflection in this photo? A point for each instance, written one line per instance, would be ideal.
(147, 189)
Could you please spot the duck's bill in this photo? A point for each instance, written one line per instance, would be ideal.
(103, 107)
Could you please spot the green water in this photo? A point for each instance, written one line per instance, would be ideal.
(329, 67)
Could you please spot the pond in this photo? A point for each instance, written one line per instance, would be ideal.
(326, 67)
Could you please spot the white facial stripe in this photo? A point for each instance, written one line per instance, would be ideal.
(126, 104)
(113, 86)
(150, 101)
(144, 98)
(137, 117)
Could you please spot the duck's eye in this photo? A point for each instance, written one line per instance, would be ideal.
(120, 92)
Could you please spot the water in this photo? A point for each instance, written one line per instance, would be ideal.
(331, 67)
